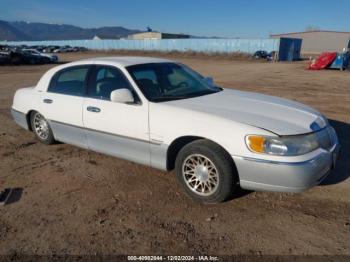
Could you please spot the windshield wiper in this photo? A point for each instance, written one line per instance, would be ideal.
(190, 95)
(204, 92)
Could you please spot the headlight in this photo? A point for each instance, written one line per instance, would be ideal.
(283, 146)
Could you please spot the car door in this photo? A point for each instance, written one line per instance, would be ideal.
(63, 104)
(113, 128)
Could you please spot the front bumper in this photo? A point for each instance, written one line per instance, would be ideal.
(264, 175)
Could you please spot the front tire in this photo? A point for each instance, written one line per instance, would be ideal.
(41, 128)
(206, 171)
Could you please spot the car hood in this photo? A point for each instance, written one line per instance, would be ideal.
(278, 115)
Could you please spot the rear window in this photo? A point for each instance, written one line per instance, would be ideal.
(70, 81)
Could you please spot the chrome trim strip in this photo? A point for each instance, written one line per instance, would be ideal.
(107, 133)
(156, 142)
(279, 162)
(335, 146)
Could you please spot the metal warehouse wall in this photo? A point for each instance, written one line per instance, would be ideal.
(199, 45)
(317, 42)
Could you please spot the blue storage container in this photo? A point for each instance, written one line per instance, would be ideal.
(289, 49)
(342, 61)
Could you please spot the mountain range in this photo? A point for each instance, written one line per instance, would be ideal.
(24, 31)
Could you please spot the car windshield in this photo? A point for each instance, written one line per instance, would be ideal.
(161, 82)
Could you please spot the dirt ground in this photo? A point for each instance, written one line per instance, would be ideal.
(73, 201)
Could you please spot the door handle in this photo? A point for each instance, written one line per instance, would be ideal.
(48, 101)
(93, 109)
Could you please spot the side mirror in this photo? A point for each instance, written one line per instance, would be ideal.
(209, 81)
(122, 95)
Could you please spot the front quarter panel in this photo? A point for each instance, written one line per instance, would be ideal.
(168, 122)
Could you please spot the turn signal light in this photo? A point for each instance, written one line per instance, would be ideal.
(256, 143)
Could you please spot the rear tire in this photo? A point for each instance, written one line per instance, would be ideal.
(206, 172)
(41, 128)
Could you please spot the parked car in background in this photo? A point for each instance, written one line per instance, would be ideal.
(59, 50)
(163, 114)
(63, 49)
(79, 49)
(39, 48)
(44, 49)
(83, 49)
(17, 56)
(42, 57)
(50, 49)
(261, 54)
(5, 58)
(35, 54)
(4, 47)
(70, 49)
(271, 56)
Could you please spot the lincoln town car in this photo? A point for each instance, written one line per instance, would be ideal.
(162, 114)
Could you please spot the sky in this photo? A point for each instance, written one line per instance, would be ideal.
(223, 18)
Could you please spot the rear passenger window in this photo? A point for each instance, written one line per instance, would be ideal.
(70, 82)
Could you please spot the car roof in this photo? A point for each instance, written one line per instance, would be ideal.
(127, 60)
(120, 61)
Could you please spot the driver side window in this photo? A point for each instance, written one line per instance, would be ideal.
(106, 79)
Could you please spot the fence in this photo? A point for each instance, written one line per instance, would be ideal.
(181, 45)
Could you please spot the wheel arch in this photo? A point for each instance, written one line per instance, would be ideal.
(28, 118)
(175, 147)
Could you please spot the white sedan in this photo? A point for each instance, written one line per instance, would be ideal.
(162, 114)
